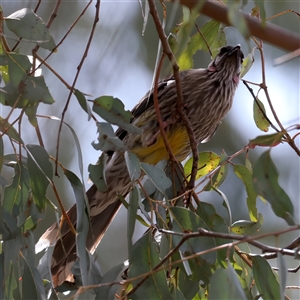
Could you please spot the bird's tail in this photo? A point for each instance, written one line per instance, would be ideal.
(103, 208)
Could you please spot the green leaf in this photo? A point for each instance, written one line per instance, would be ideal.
(185, 221)
(97, 173)
(18, 67)
(269, 140)
(236, 18)
(108, 141)
(3, 64)
(261, 122)
(265, 278)
(198, 42)
(215, 223)
(220, 176)
(10, 284)
(262, 13)
(82, 224)
(174, 171)
(36, 90)
(226, 203)
(16, 194)
(265, 182)
(219, 41)
(244, 174)
(247, 63)
(243, 270)
(32, 284)
(1, 153)
(107, 291)
(157, 176)
(30, 112)
(145, 17)
(30, 91)
(9, 130)
(282, 272)
(244, 227)
(131, 217)
(187, 286)
(26, 24)
(180, 35)
(133, 166)
(145, 258)
(225, 285)
(41, 173)
(112, 110)
(207, 162)
(83, 103)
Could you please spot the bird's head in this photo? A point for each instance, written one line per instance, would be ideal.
(228, 62)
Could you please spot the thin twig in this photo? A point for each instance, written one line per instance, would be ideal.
(157, 110)
(96, 19)
(180, 102)
(64, 37)
(204, 232)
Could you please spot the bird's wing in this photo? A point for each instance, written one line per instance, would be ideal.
(147, 101)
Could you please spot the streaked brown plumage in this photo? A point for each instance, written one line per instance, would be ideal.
(207, 94)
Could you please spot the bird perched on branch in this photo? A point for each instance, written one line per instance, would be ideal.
(207, 97)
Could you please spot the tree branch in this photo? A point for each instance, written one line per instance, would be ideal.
(270, 33)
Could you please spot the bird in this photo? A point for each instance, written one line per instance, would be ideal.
(207, 97)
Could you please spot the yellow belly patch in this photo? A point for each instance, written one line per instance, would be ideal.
(157, 152)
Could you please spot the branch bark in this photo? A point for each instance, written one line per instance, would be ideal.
(270, 33)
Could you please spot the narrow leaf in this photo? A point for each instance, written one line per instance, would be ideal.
(247, 63)
(244, 174)
(133, 166)
(131, 217)
(1, 153)
(41, 173)
(83, 103)
(261, 122)
(9, 130)
(31, 278)
(82, 224)
(265, 182)
(157, 176)
(265, 278)
(282, 273)
(269, 140)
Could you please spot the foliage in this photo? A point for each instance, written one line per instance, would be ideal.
(188, 252)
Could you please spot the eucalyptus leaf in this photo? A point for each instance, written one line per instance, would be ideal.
(265, 279)
(112, 110)
(265, 182)
(28, 25)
